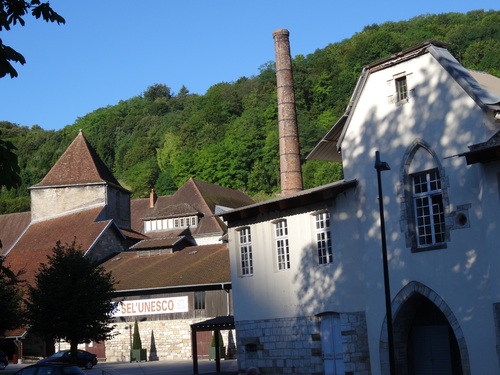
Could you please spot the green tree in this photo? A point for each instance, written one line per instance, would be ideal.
(10, 299)
(157, 91)
(13, 12)
(9, 168)
(71, 298)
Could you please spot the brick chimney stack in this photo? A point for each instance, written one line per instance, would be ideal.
(290, 167)
(152, 198)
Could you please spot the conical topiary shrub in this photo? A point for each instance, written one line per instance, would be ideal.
(212, 349)
(137, 343)
(137, 353)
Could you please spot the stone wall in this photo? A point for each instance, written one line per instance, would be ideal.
(293, 345)
(163, 339)
(280, 346)
(355, 343)
(47, 203)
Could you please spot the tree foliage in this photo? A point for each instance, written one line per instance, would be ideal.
(13, 12)
(10, 299)
(9, 168)
(71, 298)
(229, 135)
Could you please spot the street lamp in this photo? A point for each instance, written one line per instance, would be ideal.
(383, 166)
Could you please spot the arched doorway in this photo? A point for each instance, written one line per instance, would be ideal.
(432, 346)
(427, 337)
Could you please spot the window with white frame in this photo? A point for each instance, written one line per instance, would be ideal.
(401, 89)
(323, 238)
(246, 257)
(282, 248)
(156, 225)
(428, 208)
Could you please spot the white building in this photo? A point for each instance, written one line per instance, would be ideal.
(307, 269)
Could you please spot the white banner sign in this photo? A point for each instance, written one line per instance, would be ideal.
(152, 306)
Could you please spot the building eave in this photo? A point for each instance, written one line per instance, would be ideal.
(172, 289)
(301, 199)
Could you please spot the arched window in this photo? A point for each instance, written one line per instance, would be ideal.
(424, 199)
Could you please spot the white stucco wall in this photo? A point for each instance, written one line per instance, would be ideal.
(307, 288)
(464, 274)
(463, 277)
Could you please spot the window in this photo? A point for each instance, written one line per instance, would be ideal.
(282, 249)
(323, 238)
(166, 224)
(154, 225)
(401, 89)
(246, 252)
(428, 206)
(424, 200)
(199, 300)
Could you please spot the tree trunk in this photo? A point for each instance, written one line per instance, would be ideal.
(73, 351)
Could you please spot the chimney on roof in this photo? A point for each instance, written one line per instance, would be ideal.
(290, 168)
(152, 198)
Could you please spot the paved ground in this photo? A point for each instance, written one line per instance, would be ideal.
(228, 367)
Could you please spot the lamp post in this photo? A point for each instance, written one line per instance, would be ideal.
(383, 166)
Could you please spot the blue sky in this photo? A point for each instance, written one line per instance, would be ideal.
(113, 50)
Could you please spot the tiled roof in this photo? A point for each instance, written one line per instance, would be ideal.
(162, 211)
(79, 164)
(208, 264)
(213, 195)
(193, 197)
(40, 238)
(11, 227)
(133, 234)
(157, 243)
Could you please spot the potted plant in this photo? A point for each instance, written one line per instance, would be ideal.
(222, 349)
(137, 354)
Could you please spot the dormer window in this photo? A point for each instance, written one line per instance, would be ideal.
(156, 225)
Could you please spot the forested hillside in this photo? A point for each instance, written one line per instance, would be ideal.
(229, 135)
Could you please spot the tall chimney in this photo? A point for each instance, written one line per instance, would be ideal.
(152, 198)
(290, 169)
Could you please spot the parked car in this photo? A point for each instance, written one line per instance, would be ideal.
(4, 360)
(50, 368)
(84, 358)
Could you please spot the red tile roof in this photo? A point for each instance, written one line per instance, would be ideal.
(193, 197)
(214, 195)
(158, 243)
(40, 238)
(11, 227)
(79, 164)
(197, 265)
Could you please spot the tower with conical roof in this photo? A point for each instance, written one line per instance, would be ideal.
(80, 180)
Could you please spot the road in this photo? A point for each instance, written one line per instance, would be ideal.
(205, 367)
